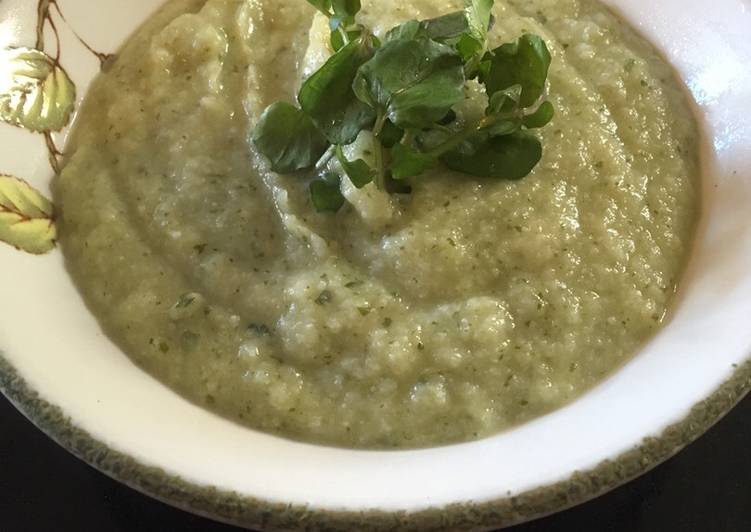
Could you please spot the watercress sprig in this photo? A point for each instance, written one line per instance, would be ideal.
(405, 90)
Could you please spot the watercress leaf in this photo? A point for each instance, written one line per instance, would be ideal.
(505, 101)
(478, 16)
(427, 140)
(324, 6)
(406, 30)
(327, 96)
(408, 162)
(445, 28)
(505, 157)
(359, 173)
(361, 88)
(358, 170)
(346, 9)
(468, 47)
(326, 195)
(473, 42)
(504, 127)
(541, 117)
(524, 62)
(390, 134)
(425, 103)
(416, 81)
(483, 68)
(288, 138)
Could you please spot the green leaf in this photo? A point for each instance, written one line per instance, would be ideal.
(346, 9)
(390, 134)
(404, 89)
(524, 62)
(408, 162)
(35, 92)
(407, 30)
(358, 170)
(541, 117)
(326, 195)
(478, 15)
(324, 6)
(26, 217)
(504, 127)
(507, 157)
(483, 69)
(446, 28)
(288, 138)
(327, 96)
(429, 139)
(416, 81)
(468, 47)
(505, 101)
(473, 43)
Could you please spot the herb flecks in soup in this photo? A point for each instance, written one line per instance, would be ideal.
(466, 307)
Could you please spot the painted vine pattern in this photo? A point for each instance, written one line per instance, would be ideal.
(36, 94)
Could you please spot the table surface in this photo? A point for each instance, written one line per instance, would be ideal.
(706, 487)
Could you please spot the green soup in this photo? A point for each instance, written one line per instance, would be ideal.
(463, 309)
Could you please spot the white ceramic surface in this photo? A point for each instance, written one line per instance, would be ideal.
(54, 343)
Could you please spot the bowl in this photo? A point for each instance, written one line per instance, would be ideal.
(62, 372)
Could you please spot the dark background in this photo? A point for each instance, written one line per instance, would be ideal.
(707, 487)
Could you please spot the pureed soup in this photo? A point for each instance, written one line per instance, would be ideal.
(461, 309)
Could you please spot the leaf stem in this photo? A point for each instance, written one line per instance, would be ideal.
(380, 174)
(52, 152)
(344, 34)
(325, 158)
(103, 57)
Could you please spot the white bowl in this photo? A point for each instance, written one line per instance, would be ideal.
(71, 380)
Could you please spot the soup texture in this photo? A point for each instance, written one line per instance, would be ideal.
(450, 314)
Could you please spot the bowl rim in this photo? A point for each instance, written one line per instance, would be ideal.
(251, 512)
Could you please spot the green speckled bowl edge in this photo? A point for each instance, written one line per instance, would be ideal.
(250, 512)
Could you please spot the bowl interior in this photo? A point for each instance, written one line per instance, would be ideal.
(55, 344)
